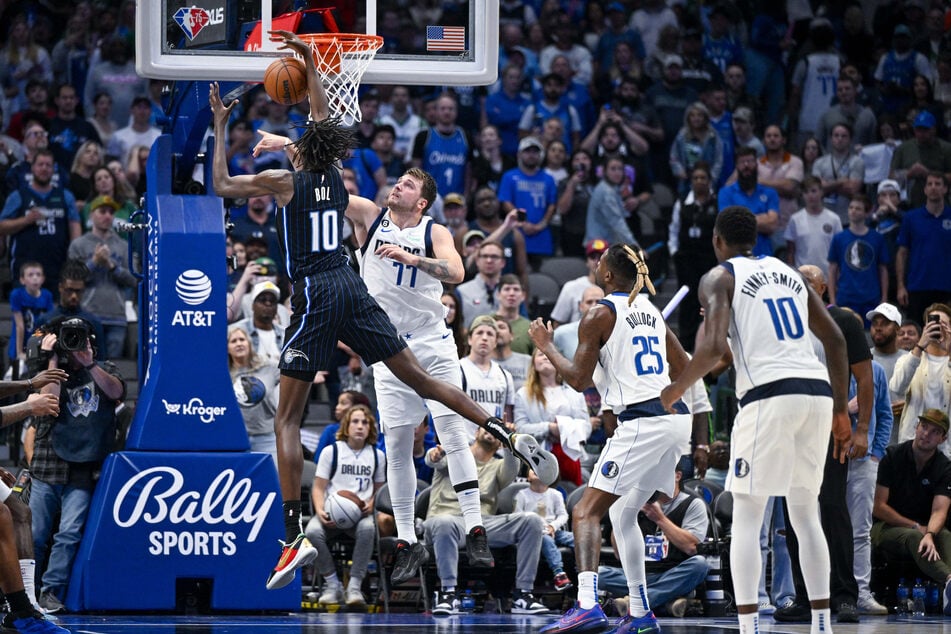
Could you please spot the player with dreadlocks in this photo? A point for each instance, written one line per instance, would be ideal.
(623, 346)
(330, 301)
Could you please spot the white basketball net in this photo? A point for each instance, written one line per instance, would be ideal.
(354, 52)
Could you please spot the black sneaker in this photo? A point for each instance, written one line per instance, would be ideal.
(847, 613)
(793, 613)
(409, 557)
(477, 547)
(446, 603)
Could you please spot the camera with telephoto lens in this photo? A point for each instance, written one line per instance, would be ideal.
(72, 335)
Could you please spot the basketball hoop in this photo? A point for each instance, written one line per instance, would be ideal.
(341, 60)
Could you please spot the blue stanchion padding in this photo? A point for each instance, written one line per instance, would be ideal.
(186, 402)
(158, 516)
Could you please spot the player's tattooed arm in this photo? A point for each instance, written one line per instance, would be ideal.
(435, 267)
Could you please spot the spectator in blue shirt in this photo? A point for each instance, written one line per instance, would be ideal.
(747, 192)
(858, 262)
(924, 250)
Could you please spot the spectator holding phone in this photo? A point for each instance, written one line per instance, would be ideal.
(924, 375)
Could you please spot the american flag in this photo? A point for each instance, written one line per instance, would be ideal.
(445, 38)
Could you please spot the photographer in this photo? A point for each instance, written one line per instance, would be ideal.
(72, 288)
(68, 451)
(677, 526)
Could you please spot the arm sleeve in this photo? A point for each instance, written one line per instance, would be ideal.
(884, 420)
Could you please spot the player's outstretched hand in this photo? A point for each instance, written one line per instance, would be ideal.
(269, 143)
(290, 41)
(54, 375)
(219, 110)
(841, 436)
(540, 332)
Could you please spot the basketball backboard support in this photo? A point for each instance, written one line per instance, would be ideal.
(426, 42)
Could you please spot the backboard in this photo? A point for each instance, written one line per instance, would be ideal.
(442, 42)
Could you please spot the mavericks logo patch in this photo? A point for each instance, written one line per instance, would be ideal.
(741, 468)
(609, 469)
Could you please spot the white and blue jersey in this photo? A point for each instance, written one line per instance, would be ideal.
(769, 325)
(446, 158)
(409, 296)
(632, 364)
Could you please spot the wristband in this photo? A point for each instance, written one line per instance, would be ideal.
(90, 366)
(29, 383)
(704, 447)
(920, 347)
(932, 533)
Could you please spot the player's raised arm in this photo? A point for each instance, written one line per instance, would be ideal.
(319, 107)
(269, 182)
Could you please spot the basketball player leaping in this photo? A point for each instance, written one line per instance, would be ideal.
(330, 302)
(762, 310)
(623, 344)
(404, 259)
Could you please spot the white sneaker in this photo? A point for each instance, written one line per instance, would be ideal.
(332, 594)
(355, 598)
(868, 605)
(542, 462)
(765, 607)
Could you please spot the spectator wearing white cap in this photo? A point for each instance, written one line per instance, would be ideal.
(886, 219)
(886, 320)
(267, 337)
(528, 188)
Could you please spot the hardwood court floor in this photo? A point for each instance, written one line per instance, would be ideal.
(424, 624)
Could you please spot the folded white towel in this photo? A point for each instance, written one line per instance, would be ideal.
(574, 432)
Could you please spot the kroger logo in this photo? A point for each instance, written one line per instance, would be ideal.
(194, 407)
(193, 287)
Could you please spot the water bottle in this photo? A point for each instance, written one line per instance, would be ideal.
(468, 602)
(901, 594)
(933, 598)
(918, 594)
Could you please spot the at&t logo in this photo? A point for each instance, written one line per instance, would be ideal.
(194, 288)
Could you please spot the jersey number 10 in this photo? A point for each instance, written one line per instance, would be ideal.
(323, 231)
(785, 316)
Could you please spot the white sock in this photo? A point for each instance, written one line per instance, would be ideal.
(401, 476)
(587, 589)
(821, 621)
(28, 572)
(331, 579)
(462, 467)
(355, 583)
(630, 548)
(749, 623)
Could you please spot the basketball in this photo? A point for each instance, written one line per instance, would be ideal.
(342, 509)
(285, 81)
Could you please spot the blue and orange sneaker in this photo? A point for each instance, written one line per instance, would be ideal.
(294, 555)
(646, 624)
(578, 620)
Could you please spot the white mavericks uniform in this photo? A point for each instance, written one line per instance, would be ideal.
(631, 372)
(356, 471)
(491, 390)
(781, 432)
(411, 299)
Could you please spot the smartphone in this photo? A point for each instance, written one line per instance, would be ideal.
(935, 319)
(520, 215)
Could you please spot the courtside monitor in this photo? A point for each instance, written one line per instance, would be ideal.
(429, 42)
